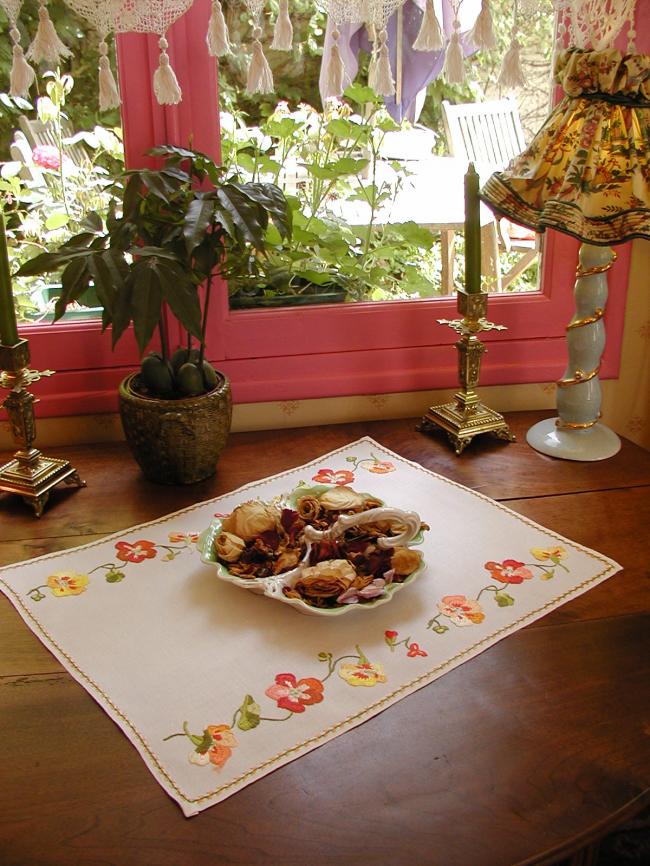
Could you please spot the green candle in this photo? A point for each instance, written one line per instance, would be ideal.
(8, 330)
(472, 232)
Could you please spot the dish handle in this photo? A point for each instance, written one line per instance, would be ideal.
(409, 519)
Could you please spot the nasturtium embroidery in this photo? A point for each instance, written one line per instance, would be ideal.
(291, 693)
(127, 553)
(413, 650)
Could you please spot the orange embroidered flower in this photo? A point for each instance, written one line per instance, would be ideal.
(461, 610)
(67, 583)
(136, 552)
(380, 467)
(414, 650)
(189, 537)
(509, 571)
(329, 476)
(362, 673)
(294, 695)
(224, 742)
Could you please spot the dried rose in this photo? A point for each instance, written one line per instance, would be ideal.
(405, 561)
(308, 507)
(341, 499)
(228, 547)
(288, 559)
(327, 580)
(250, 519)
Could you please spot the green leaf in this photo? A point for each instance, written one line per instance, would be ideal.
(413, 233)
(57, 220)
(146, 300)
(503, 599)
(182, 297)
(341, 127)
(271, 198)
(202, 743)
(74, 282)
(359, 93)
(249, 714)
(198, 218)
(246, 215)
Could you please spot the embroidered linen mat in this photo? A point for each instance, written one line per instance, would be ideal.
(216, 687)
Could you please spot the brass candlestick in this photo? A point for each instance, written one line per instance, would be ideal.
(29, 474)
(467, 417)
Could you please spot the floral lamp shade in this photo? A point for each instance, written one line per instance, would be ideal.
(587, 174)
(587, 171)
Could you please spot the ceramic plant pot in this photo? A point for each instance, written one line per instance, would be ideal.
(176, 441)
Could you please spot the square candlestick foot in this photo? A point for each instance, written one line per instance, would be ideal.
(462, 424)
(32, 476)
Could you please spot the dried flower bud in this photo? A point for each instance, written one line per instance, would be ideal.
(405, 561)
(326, 580)
(251, 519)
(341, 499)
(308, 507)
(228, 547)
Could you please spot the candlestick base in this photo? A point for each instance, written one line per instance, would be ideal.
(467, 417)
(462, 425)
(32, 476)
(29, 474)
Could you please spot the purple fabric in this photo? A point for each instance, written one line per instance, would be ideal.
(418, 67)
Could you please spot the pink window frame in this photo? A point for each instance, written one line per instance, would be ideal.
(324, 351)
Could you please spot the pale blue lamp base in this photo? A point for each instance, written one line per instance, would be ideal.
(595, 443)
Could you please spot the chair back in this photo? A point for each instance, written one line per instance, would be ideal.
(36, 132)
(486, 133)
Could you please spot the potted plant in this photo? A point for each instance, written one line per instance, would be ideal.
(167, 236)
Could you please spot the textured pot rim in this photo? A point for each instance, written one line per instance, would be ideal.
(127, 391)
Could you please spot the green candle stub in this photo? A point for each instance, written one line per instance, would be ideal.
(8, 329)
(472, 232)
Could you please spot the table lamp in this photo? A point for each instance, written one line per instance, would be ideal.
(586, 173)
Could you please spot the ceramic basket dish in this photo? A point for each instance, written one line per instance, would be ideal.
(410, 533)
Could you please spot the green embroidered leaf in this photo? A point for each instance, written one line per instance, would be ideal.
(202, 743)
(548, 574)
(114, 576)
(249, 714)
(324, 657)
(503, 599)
(440, 629)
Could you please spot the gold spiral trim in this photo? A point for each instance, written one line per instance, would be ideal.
(578, 378)
(573, 425)
(596, 269)
(587, 320)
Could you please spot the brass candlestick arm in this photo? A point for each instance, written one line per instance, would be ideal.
(467, 416)
(29, 474)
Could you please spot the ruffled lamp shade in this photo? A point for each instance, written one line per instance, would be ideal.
(587, 174)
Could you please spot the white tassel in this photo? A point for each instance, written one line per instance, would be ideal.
(334, 72)
(482, 34)
(22, 75)
(260, 77)
(430, 36)
(372, 70)
(218, 38)
(47, 45)
(283, 32)
(109, 95)
(384, 84)
(165, 83)
(511, 75)
(454, 68)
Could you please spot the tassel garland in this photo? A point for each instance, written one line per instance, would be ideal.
(482, 34)
(454, 67)
(109, 96)
(429, 36)
(334, 72)
(218, 38)
(22, 75)
(47, 45)
(165, 83)
(511, 75)
(260, 77)
(283, 32)
(383, 83)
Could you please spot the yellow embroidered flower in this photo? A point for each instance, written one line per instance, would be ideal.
(362, 673)
(555, 554)
(67, 582)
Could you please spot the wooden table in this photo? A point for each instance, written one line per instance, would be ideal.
(525, 754)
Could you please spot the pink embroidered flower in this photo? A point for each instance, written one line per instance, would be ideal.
(294, 695)
(461, 610)
(329, 476)
(136, 552)
(509, 571)
(379, 467)
(47, 156)
(414, 650)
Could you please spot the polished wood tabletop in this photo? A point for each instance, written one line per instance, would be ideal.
(527, 753)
